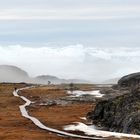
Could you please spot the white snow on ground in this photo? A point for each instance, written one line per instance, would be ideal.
(91, 130)
(83, 118)
(78, 93)
(25, 114)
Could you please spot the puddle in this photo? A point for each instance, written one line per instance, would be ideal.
(78, 93)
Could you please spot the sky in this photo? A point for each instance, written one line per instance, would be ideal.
(89, 39)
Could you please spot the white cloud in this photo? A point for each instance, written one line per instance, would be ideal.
(75, 61)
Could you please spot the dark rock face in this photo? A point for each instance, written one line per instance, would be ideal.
(121, 113)
(129, 80)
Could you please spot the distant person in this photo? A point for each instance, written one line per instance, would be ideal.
(49, 82)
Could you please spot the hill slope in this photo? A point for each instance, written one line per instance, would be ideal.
(14, 74)
(10, 73)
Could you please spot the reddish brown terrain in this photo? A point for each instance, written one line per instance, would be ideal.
(15, 127)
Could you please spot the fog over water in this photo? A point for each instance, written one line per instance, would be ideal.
(73, 61)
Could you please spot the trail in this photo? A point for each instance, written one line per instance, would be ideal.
(38, 123)
(80, 126)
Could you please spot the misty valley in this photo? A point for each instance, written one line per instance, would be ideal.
(67, 108)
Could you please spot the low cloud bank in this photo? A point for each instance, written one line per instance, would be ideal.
(73, 61)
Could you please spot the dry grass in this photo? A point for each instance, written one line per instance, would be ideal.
(56, 115)
(50, 92)
(59, 116)
(14, 127)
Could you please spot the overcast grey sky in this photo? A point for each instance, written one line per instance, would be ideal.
(95, 22)
(40, 28)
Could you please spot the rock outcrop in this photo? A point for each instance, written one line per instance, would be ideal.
(121, 113)
(130, 80)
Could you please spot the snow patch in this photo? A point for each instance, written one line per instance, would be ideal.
(78, 93)
(92, 130)
(83, 118)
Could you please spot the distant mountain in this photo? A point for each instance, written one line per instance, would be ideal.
(111, 81)
(55, 80)
(46, 77)
(10, 73)
(75, 81)
(13, 74)
(43, 79)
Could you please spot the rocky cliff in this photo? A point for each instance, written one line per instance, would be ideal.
(120, 113)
